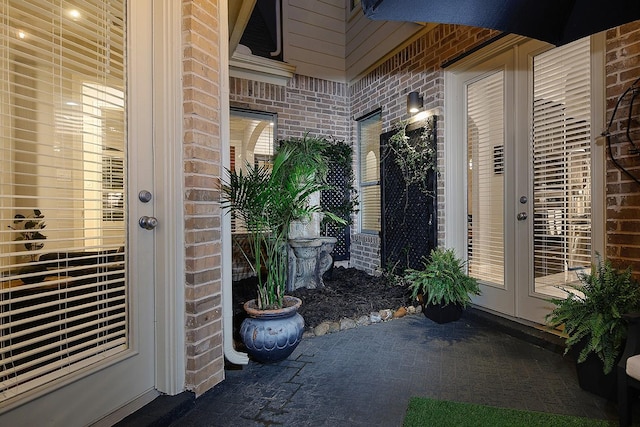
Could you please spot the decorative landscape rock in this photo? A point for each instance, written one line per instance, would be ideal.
(334, 327)
(401, 312)
(375, 317)
(350, 323)
(386, 314)
(321, 329)
(347, 323)
(363, 321)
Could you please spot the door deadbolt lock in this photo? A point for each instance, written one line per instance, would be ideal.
(521, 216)
(144, 196)
(148, 222)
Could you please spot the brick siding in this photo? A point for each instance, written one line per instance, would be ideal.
(306, 105)
(202, 167)
(623, 194)
(365, 253)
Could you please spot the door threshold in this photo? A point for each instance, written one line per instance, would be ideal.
(534, 333)
(128, 409)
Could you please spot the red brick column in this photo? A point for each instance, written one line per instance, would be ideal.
(623, 194)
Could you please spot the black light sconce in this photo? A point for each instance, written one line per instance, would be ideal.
(414, 102)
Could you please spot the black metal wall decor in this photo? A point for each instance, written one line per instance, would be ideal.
(409, 216)
(329, 200)
(340, 199)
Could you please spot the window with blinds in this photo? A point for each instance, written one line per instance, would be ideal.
(63, 294)
(252, 136)
(252, 144)
(560, 145)
(485, 175)
(369, 130)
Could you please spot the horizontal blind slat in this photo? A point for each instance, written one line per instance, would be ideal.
(64, 155)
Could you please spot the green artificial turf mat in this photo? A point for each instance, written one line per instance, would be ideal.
(435, 413)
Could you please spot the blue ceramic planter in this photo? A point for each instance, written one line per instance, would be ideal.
(272, 335)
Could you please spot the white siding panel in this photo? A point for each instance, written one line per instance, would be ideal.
(322, 47)
(322, 34)
(332, 67)
(314, 37)
(331, 9)
(369, 41)
(319, 17)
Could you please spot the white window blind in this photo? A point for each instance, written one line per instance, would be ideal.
(63, 294)
(252, 144)
(485, 187)
(369, 130)
(560, 144)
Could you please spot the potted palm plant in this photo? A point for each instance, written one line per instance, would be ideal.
(591, 317)
(267, 200)
(443, 287)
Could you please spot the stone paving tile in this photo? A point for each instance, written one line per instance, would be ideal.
(365, 377)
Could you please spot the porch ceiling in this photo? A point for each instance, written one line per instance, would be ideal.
(239, 14)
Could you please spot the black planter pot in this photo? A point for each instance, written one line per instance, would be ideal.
(441, 313)
(592, 378)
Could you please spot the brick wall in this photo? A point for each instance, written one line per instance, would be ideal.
(417, 67)
(306, 105)
(623, 194)
(201, 151)
(365, 253)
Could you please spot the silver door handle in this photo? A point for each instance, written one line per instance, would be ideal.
(148, 222)
(521, 216)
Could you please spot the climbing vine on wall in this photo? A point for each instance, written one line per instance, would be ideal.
(344, 196)
(417, 158)
(341, 199)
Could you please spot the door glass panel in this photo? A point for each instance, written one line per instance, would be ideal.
(485, 179)
(63, 304)
(561, 158)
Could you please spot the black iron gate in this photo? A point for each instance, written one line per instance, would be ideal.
(409, 217)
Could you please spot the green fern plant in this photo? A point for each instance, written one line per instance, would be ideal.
(592, 312)
(443, 280)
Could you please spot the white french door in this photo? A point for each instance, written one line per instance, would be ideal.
(77, 333)
(488, 88)
(525, 135)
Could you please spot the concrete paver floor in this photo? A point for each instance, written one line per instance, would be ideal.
(365, 377)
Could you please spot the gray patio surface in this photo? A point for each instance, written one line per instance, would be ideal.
(365, 377)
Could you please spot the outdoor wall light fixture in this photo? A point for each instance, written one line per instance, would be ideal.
(414, 102)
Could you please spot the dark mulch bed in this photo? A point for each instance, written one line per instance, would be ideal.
(347, 293)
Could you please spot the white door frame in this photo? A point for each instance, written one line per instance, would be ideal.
(168, 158)
(455, 174)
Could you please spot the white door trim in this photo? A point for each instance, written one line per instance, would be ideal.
(169, 199)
